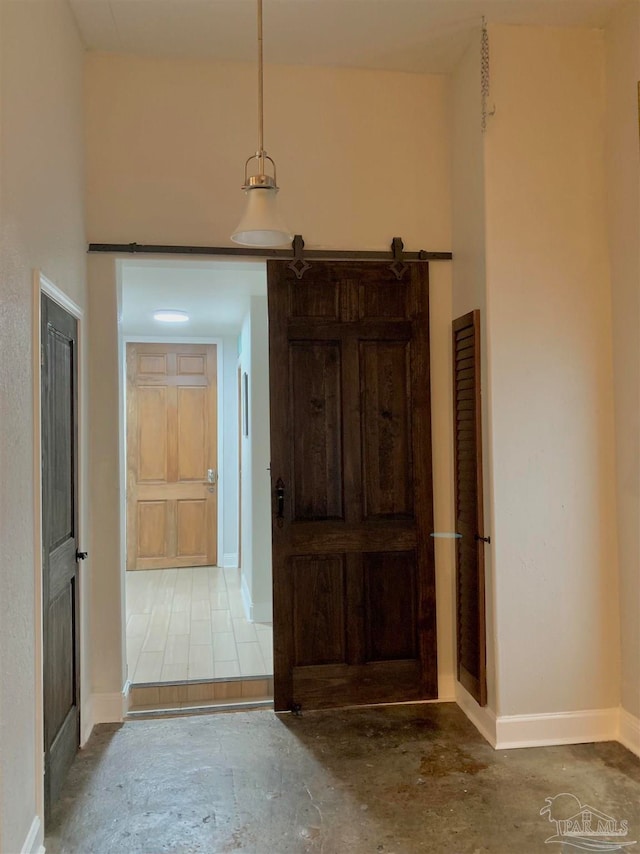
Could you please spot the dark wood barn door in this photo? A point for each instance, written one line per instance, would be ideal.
(470, 595)
(353, 565)
(59, 545)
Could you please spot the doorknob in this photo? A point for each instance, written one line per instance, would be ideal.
(81, 555)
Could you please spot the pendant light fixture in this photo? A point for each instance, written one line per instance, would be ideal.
(261, 224)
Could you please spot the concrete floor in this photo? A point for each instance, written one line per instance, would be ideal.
(389, 780)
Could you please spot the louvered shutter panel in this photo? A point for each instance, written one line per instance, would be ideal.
(470, 592)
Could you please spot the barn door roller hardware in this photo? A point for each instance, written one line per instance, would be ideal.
(298, 265)
(295, 254)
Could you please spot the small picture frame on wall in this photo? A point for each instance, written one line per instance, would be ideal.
(245, 404)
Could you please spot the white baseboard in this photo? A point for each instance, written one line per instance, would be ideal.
(86, 721)
(629, 731)
(483, 718)
(255, 612)
(556, 728)
(509, 732)
(33, 842)
(110, 708)
(230, 560)
(446, 687)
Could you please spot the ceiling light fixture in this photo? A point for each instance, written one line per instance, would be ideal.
(171, 315)
(261, 224)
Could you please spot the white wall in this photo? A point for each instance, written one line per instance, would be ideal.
(229, 556)
(41, 226)
(549, 321)
(107, 545)
(246, 462)
(256, 455)
(167, 141)
(260, 438)
(469, 278)
(623, 173)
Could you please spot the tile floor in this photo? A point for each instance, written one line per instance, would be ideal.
(189, 623)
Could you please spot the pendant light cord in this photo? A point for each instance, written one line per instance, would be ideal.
(261, 151)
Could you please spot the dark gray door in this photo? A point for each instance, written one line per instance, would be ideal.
(59, 339)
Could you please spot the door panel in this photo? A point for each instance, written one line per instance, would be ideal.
(470, 593)
(171, 445)
(317, 452)
(318, 609)
(353, 571)
(386, 430)
(390, 605)
(59, 545)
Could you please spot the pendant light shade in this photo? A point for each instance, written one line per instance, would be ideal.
(261, 224)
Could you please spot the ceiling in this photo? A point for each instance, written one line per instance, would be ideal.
(403, 35)
(215, 295)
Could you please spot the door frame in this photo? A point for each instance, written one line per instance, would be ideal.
(43, 285)
(168, 339)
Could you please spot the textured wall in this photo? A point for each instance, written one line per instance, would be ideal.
(41, 226)
(623, 172)
(362, 155)
(469, 276)
(549, 325)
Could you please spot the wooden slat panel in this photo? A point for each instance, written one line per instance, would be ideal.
(391, 606)
(364, 537)
(152, 433)
(191, 519)
(191, 365)
(383, 300)
(62, 512)
(463, 351)
(322, 687)
(465, 332)
(319, 610)
(313, 298)
(149, 363)
(61, 660)
(152, 528)
(192, 430)
(386, 430)
(317, 424)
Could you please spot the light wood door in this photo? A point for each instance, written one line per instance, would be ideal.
(470, 585)
(61, 652)
(172, 494)
(353, 562)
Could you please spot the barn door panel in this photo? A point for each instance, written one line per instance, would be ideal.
(353, 570)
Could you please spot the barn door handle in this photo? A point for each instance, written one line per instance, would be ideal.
(280, 501)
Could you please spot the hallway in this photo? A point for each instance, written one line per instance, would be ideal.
(389, 780)
(189, 624)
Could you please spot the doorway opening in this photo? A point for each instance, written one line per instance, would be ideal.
(195, 483)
